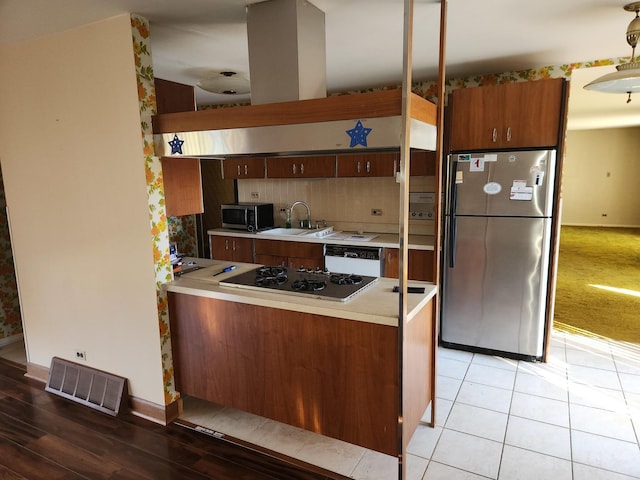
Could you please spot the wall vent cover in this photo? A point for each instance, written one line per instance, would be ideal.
(88, 386)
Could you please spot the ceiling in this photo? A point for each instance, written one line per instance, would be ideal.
(191, 39)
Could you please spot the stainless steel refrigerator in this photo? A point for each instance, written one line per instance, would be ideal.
(497, 242)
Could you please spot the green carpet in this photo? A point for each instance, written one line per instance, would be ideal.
(598, 284)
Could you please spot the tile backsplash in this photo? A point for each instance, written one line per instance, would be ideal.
(345, 203)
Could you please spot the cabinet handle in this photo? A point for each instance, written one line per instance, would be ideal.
(238, 169)
(246, 169)
(358, 167)
(234, 245)
(293, 169)
(508, 134)
(495, 134)
(226, 244)
(302, 169)
(368, 166)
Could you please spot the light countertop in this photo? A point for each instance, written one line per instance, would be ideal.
(388, 240)
(375, 304)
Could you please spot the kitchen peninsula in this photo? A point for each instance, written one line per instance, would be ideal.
(325, 366)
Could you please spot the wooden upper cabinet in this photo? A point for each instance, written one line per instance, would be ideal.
(172, 97)
(314, 166)
(182, 186)
(181, 176)
(367, 164)
(243, 167)
(423, 163)
(512, 115)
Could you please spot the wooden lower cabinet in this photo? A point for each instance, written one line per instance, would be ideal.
(232, 249)
(329, 375)
(420, 264)
(292, 255)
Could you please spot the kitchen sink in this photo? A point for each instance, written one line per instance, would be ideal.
(283, 231)
(298, 232)
(319, 233)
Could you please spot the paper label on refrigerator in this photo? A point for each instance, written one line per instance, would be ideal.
(521, 193)
(476, 165)
(464, 157)
(538, 178)
(459, 176)
(519, 183)
(491, 157)
(492, 188)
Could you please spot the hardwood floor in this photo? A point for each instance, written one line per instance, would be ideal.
(43, 436)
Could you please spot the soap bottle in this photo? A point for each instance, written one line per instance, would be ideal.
(288, 222)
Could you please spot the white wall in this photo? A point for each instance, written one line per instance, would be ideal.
(71, 154)
(601, 175)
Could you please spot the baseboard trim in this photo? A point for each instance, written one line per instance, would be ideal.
(37, 372)
(154, 412)
(12, 339)
(162, 414)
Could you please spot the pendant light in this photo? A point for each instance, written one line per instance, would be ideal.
(225, 83)
(626, 78)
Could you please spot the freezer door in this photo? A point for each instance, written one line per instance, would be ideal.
(494, 296)
(504, 183)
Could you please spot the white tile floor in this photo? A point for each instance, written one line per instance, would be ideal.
(575, 418)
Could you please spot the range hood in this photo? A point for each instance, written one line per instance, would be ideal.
(290, 112)
(287, 58)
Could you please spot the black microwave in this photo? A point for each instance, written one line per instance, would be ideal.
(247, 216)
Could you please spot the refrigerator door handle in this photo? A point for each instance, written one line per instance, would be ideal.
(452, 215)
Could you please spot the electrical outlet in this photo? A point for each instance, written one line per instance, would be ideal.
(255, 195)
(376, 212)
(81, 355)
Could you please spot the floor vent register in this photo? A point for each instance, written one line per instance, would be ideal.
(88, 386)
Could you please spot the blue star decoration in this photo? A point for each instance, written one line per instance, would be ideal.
(176, 145)
(358, 135)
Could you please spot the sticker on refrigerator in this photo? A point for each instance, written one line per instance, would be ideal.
(521, 193)
(476, 165)
(459, 176)
(492, 188)
(491, 157)
(537, 179)
(464, 157)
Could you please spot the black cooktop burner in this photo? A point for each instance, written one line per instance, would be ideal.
(314, 282)
(270, 276)
(307, 285)
(345, 279)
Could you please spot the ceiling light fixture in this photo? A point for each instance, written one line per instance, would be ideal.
(627, 77)
(225, 83)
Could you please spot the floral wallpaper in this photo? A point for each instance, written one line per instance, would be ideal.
(155, 189)
(428, 89)
(10, 319)
(182, 232)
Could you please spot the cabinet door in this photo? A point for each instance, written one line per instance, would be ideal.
(291, 254)
(420, 264)
(532, 112)
(511, 115)
(476, 118)
(244, 167)
(391, 262)
(367, 164)
(182, 186)
(423, 163)
(233, 249)
(317, 166)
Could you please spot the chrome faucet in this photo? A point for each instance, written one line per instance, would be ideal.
(296, 203)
